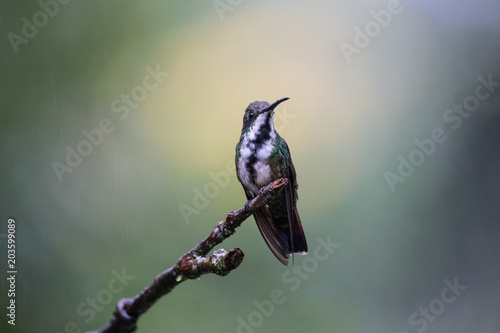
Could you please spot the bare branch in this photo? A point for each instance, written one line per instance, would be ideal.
(192, 265)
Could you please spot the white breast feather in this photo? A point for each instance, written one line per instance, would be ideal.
(262, 169)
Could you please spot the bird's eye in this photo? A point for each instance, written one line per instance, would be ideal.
(250, 115)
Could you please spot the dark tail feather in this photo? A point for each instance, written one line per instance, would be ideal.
(298, 242)
(281, 239)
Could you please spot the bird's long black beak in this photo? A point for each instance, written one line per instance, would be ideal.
(275, 104)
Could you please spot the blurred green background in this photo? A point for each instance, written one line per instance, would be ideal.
(366, 79)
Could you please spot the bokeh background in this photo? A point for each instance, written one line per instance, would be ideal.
(132, 206)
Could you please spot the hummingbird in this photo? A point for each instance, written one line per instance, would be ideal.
(262, 156)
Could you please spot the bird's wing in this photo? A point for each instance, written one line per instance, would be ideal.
(298, 243)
